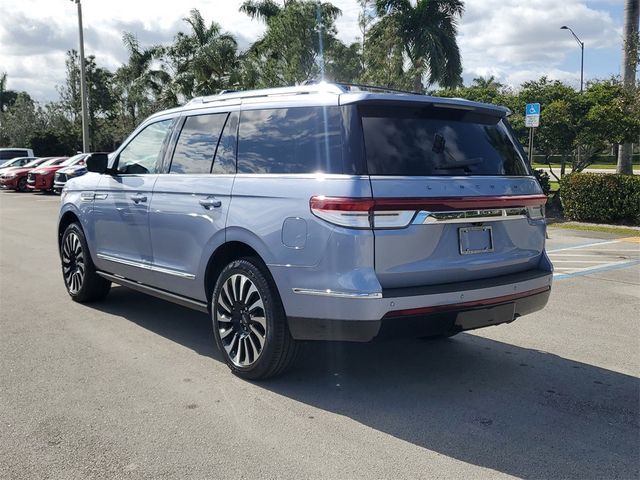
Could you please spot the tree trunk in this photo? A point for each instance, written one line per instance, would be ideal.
(629, 65)
(417, 83)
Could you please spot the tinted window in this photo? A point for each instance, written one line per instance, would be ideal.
(53, 161)
(197, 143)
(225, 161)
(438, 141)
(35, 163)
(142, 154)
(8, 154)
(290, 140)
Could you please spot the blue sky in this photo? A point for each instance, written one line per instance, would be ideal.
(514, 40)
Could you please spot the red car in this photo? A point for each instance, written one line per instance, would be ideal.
(16, 178)
(41, 178)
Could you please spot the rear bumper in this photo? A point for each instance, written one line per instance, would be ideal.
(424, 311)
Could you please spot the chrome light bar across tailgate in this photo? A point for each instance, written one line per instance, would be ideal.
(466, 216)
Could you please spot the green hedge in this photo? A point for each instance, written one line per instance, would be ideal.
(601, 198)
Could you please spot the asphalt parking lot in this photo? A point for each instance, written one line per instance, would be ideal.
(134, 387)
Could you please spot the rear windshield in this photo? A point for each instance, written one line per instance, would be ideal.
(416, 141)
(53, 162)
(73, 160)
(36, 162)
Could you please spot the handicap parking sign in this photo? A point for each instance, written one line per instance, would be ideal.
(532, 109)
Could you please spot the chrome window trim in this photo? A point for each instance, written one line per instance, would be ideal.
(312, 176)
(146, 266)
(334, 293)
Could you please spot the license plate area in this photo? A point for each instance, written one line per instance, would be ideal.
(474, 240)
(485, 316)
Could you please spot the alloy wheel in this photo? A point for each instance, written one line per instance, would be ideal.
(73, 263)
(241, 320)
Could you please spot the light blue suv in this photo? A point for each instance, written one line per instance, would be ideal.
(319, 212)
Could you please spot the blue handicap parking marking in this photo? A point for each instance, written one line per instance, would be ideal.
(532, 109)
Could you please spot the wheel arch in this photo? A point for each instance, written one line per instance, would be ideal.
(221, 257)
(66, 219)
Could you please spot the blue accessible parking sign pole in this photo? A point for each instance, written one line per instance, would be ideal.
(531, 120)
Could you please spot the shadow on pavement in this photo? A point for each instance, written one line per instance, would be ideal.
(519, 411)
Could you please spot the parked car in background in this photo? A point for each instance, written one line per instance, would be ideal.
(318, 212)
(9, 153)
(15, 162)
(41, 178)
(16, 178)
(76, 170)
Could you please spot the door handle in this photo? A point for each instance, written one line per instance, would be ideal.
(209, 203)
(139, 198)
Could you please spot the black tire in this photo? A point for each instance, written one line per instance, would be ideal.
(78, 272)
(22, 185)
(259, 353)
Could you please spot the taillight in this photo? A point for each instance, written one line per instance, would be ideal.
(536, 212)
(399, 212)
(358, 213)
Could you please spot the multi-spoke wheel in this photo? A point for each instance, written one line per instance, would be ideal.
(249, 323)
(73, 267)
(78, 272)
(242, 324)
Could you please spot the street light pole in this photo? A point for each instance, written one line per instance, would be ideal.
(83, 84)
(581, 44)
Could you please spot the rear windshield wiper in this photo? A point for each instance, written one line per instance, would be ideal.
(459, 164)
(440, 147)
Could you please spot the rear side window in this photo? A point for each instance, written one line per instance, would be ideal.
(290, 140)
(197, 143)
(415, 141)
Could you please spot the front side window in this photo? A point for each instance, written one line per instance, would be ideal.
(142, 154)
(290, 140)
(416, 141)
(197, 143)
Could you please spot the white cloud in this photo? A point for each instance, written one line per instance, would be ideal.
(511, 39)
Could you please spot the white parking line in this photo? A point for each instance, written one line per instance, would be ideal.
(583, 246)
(591, 258)
(581, 261)
(577, 254)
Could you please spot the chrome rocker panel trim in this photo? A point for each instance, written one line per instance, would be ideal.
(146, 266)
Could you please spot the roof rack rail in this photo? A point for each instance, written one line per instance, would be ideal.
(374, 88)
(321, 87)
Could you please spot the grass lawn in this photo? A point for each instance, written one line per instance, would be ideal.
(621, 230)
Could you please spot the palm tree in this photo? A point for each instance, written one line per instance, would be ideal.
(140, 81)
(261, 9)
(214, 55)
(489, 83)
(292, 49)
(202, 61)
(7, 97)
(428, 32)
